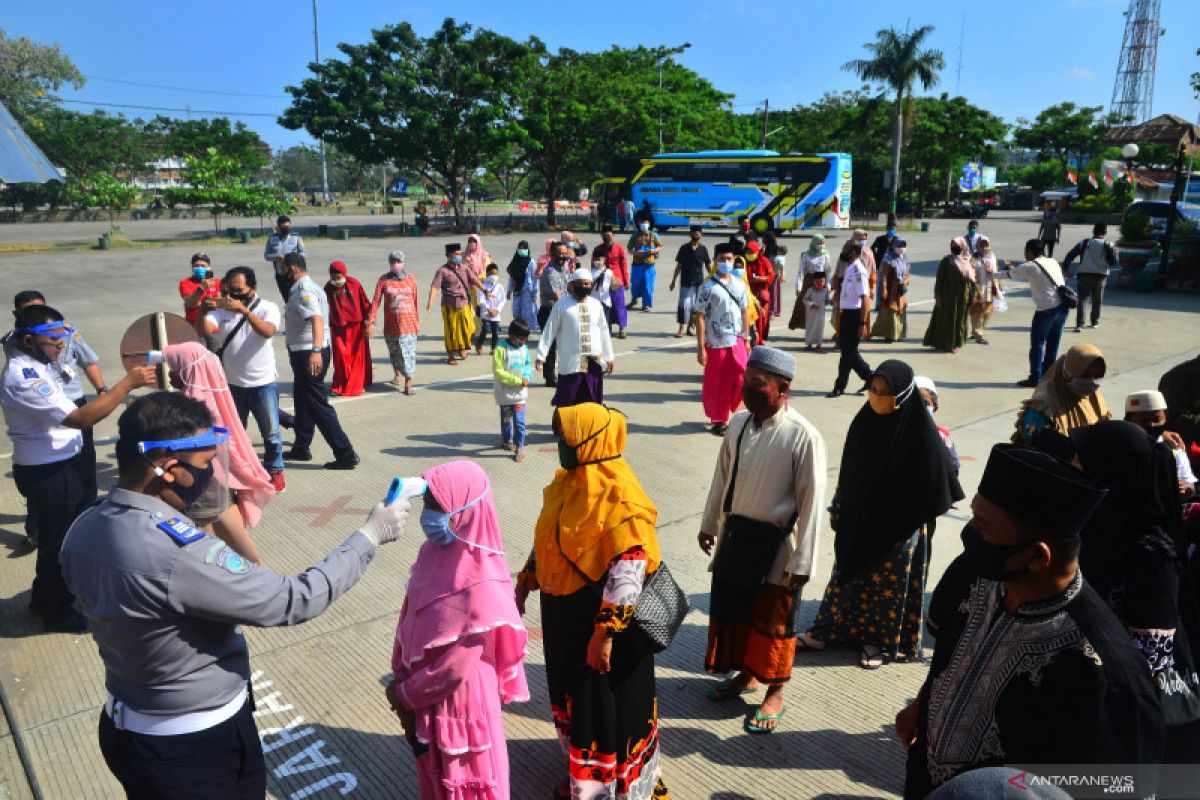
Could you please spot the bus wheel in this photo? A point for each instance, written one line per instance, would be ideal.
(662, 229)
(762, 223)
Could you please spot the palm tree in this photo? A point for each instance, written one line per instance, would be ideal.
(899, 62)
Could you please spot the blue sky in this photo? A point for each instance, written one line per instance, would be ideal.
(1017, 57)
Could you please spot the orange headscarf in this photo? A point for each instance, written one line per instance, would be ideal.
(597, 510)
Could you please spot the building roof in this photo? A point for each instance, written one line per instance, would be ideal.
(1165, 128)
(20, 159)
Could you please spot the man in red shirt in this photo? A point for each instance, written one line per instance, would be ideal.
(616, 260)
(197, 286)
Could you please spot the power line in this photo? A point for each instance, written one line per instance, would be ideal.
(181, 89)
(177, 110)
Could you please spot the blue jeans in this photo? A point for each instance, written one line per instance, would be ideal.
(512, 424)
(263, 402)
(1044, 335)
(487, 327)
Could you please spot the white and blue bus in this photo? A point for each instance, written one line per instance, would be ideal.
(714, 188)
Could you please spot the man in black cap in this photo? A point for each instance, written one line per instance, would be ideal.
(691, 266)
(1030, 666)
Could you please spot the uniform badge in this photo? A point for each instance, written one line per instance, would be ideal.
(231, 562)
(181, 532)
(42, 387)
(28, 372)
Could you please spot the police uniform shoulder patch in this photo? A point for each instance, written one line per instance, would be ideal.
(180, 532)
(231, 562)
(42, 387)
(28, 372)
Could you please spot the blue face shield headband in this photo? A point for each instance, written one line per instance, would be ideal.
(210, 438)
(52, 330)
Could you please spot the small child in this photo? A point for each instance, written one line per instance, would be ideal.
(929, 395)
(815, 300)
(511, 372)
(491, 302)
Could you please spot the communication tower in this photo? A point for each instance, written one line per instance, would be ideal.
(1133, 90)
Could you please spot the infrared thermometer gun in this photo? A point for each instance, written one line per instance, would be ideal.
(404, 488)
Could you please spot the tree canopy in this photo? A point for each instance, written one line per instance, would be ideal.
(30, 73)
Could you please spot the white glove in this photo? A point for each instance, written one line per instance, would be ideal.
(385, 523)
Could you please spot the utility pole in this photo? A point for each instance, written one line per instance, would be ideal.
(766, 115)
(320, 142)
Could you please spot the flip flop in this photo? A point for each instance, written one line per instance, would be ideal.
(725, 691)
(870, 661)
(752, 726)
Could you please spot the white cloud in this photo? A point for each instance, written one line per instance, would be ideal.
(1080, 74)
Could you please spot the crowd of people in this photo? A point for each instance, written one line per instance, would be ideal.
(1067, 630)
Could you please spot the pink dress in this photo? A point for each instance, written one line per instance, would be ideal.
(460, 646)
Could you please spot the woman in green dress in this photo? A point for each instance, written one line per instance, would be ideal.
(950, 323)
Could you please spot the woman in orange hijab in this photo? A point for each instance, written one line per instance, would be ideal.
(594, 547)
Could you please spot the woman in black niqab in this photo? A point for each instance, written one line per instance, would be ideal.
(895, 478)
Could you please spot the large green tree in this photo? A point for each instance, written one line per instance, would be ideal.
(30, 72)
(1065, 131)
(583, 110)
(946, 132)
(192, 138)
(898, 62)
(440, 105)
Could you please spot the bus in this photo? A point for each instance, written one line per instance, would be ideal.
(775, 191)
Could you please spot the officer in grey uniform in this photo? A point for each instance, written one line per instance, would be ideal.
(165, 601)
(279, 244)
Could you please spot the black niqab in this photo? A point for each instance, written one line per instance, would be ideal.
(518, 265)
(895, 475)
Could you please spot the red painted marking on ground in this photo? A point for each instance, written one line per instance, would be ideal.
(326, 514)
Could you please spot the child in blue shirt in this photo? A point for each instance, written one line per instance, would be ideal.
(512, 370)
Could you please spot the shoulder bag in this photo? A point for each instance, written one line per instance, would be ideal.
(220, 351)
(1066, 295)
(748, 546)
(660, 609)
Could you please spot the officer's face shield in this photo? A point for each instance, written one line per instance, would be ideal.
(47, 340)
(199, 468)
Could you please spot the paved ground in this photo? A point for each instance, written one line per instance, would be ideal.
(324, 722)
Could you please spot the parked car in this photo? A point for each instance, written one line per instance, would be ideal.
(1159, 210)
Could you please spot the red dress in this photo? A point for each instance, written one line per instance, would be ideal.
(762, 275)
(349, 309)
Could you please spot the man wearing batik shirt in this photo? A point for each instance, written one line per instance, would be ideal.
(578, 329)
(1030, 666)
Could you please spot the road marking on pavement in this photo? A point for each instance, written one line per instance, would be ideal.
(326, 514)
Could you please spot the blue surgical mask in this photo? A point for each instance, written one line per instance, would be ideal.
(436, 524)
(739, 273)
(891, 231)
(456, 260)
(859, 243)
(522, 252)
(199, 272)
(725, 267)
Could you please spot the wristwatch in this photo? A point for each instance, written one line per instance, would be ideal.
(102, 390)
(317, 349)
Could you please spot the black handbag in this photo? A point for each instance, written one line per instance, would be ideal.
(1067, 296)
(660, 609)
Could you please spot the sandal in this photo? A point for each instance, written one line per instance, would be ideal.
(752, 725)
(452, 362)
(806, 642)
(725, 690)
(870, 660)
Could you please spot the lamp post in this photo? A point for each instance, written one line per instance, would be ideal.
(661, 61)
(1176, 196)
(320, 142)
(1130, 152)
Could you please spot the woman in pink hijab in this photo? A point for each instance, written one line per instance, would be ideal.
(460, 643)
(476, 256)
(198, 373)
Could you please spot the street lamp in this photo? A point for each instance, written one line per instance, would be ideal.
(661, 61)
(1130, 152)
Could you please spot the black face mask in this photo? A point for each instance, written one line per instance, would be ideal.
(201, 477)
(580, 292)
(988, 560)
(1155, 431)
